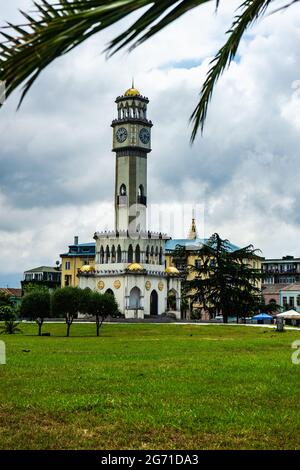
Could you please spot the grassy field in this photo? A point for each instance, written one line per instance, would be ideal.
(150, 387)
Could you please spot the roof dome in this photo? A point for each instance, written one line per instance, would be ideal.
(86, 268)
(135, 267)
(172, 270)
(132, 92)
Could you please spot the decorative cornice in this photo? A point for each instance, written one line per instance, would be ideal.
(131, 120)
(132, 98)
(131, 152)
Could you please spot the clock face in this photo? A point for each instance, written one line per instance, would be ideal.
(121, 134)
(144, 135)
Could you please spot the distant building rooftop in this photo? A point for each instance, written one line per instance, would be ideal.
(292, 287)
(273, 288)
(81, 249)
(11, 291)
(42, 269)
(284, 259)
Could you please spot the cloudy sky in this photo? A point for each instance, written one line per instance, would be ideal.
(242, 176)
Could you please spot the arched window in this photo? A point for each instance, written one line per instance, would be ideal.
(123, 190)
(141, 190)
(152, 255)
(141, 199)
(147, 255)
(156, 255)
(101, 255)
(113, 254)
(160, 256)
(119, 255)
(107, 254)
(109, 292)
(130, 254)
(137, 254)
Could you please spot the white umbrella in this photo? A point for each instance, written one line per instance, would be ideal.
(289, 314)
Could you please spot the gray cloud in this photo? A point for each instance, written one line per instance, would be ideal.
(57, 169)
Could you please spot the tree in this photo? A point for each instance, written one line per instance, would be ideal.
(5, 299)
(7, 312)
(10, 327)
(101, 306)
(224, 280)
(36, 306)
(32, 287)
(67, 302)
(8, 315)
(59, 27)
(180, 260)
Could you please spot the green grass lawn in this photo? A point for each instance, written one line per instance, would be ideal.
(150, 387)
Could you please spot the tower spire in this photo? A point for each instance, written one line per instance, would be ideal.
(193, 230)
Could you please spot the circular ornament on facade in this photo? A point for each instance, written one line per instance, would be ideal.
(148, 285)
(101, 285)
(117, 284)
(144, 135)
(161, 285)
(121, 134)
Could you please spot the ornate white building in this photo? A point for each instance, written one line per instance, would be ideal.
(130, 261)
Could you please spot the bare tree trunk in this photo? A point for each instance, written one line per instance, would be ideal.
(99, 324)
(69, 321)
(40, 324)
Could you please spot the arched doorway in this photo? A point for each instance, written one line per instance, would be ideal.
(135, 298)
(154, 303)
(172, 295)
(109, 292)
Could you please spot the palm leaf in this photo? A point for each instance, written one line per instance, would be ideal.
(57, 27)
(251, 11)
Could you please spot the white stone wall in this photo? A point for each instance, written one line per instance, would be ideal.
(122, 285)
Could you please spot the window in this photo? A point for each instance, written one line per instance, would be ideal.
(141, 190)
(137, 254)
(119, 254)
(298, 300)
(67, 265)
(291, 301)
(130, 254)
(284, 300)
(122, 190)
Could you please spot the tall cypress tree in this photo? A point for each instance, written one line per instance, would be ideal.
(225, 280)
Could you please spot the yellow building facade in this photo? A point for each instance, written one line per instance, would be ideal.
(79, 258)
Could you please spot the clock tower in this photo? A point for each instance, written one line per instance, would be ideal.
(130, 259)
(131, 143)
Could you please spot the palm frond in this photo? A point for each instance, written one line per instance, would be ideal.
(251, 11)
(58, 26)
